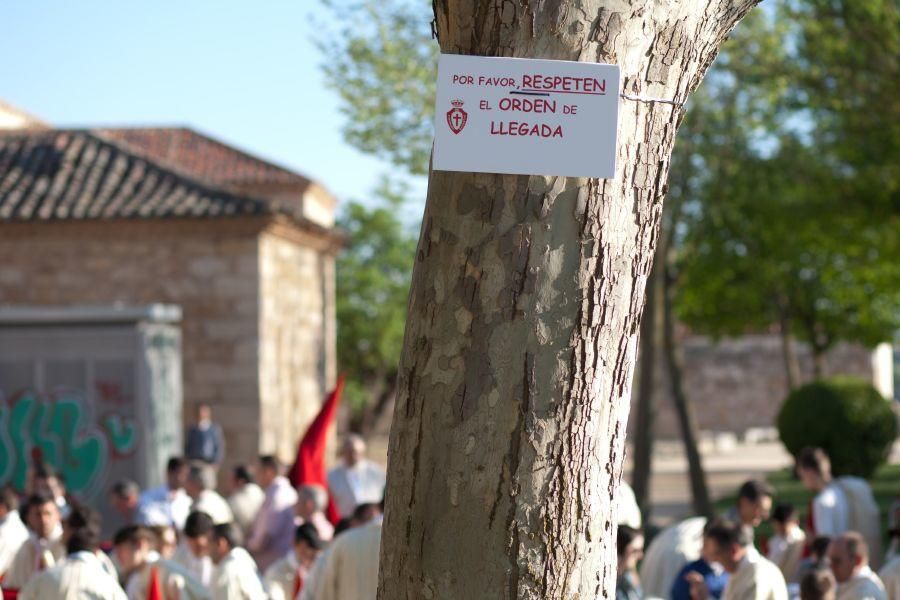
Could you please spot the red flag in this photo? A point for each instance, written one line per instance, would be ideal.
(154, 590)
(309, 468)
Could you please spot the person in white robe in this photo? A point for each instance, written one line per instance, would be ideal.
(848, 556)
(356, 480)
(286, 578)
(13, 532)
(141, 564)
(751, 575)
(193, 553)
(82, 574)
(890, 578)
(236, 577)
(627, 507)
(830, 512)
(786, 546)
(682, 543)
(246, 499)
(348, 570)
(198, 486)
(272, 535)
(167, 504)
(44, 546)
(312, 501)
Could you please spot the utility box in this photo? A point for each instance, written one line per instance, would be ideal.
(94, 390)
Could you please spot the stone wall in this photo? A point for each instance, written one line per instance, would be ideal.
(739, 383)
(297, 361)
(210, 270)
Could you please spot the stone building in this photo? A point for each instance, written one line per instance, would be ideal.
(142, 217)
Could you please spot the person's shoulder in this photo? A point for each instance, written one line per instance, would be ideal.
(891, 569)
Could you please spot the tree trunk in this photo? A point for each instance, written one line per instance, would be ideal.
(650, 340)
(818, 356)
(699, 490)
(365, 423)
(508, 432)
(788, 349)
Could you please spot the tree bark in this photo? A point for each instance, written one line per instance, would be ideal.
(650, 340)
(366, 422)
(507, 440)
(788, 348)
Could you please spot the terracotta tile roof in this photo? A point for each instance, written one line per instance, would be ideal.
(203, 157)
(60, 174)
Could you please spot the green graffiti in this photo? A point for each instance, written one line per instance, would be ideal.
(62, 431)
(122, 436)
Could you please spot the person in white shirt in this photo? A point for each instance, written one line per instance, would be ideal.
(167, 504)
(246, 498)
(44, 547)
(627, 510)
(141, 565)
(82, 574)
(13, 532)
(199, 487)
(830, 511)
(272, 535)
(786, 546)
(848, 556)
(356, 480)
(236, 577)
(751, 576)
(312, 500)
(348, 570)
(193, 553)
(285, 579)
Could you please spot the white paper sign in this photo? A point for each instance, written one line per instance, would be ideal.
(525, 116)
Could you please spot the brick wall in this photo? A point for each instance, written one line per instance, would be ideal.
(257, 324)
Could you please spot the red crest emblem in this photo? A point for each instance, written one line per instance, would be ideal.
(457, 117)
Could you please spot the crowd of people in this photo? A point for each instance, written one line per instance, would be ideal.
(834, 554)
(184, 541)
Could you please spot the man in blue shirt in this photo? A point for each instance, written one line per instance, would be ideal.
(713, 574)
(204, 441)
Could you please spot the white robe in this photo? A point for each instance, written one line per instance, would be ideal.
(363, 483)
(863, 586)
(349, 569)
(890, 577)
(33, 556)
(173, 579)
(756, 578)
(81, 576)
(201, 568)
(245, 504)
(214, 505)
(13, 534)
(831, 513)
(626, 504)
(162, 506)
(236, 578)
(281, 578)
(668, 553)
(787, 553)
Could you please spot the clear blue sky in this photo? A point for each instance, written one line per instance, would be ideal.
(245, 72)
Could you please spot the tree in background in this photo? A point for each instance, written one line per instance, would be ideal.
(373, 276)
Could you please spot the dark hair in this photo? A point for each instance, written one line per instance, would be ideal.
(624, 536)
(818, 585)
(125, 488)
(819, 546)
(308, 534)
(343, 525)
(243, 473)
(133, 534)
(176, 463)
(360, 513)
(784, 512)
(197, 524)
(755, 490)
(197, 474)
(38, 500)
(84, 527)
(9, 498)
(230, 533)
(43, 470)
(726, 533)
(271, 462)
(814, 459)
